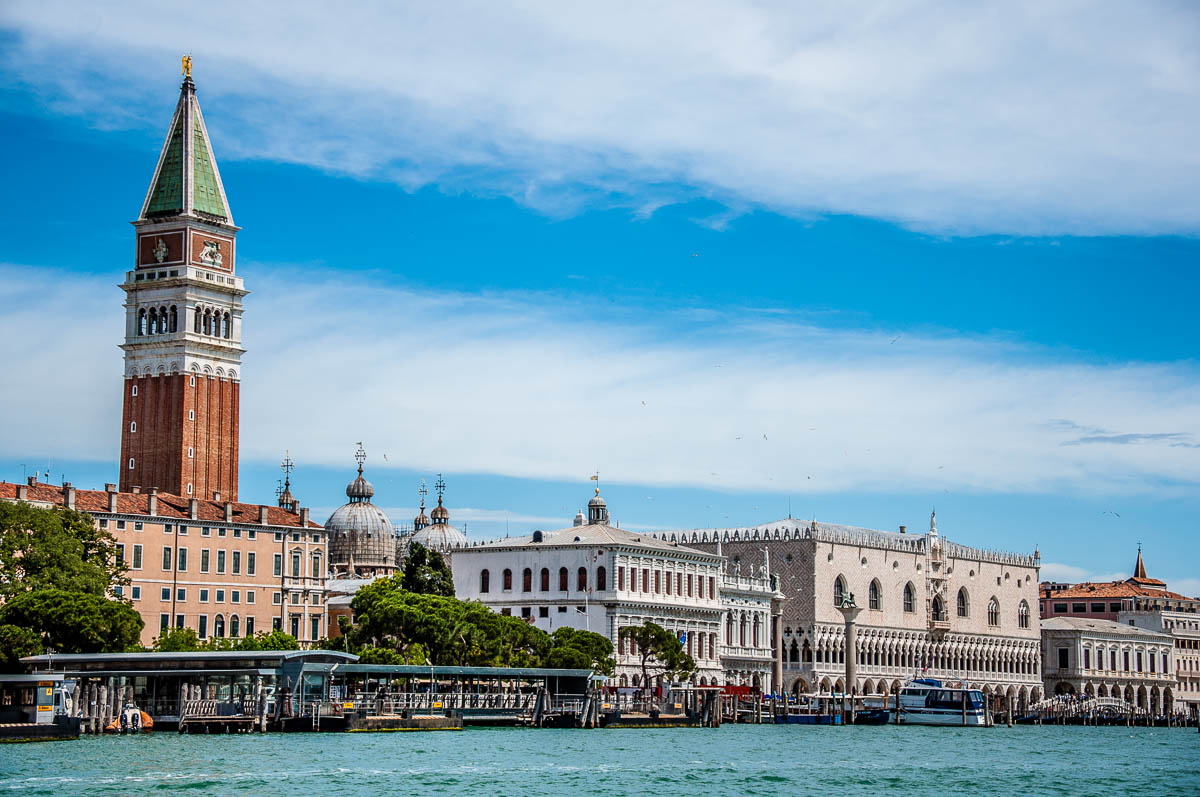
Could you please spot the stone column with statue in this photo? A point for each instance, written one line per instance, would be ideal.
(850, 613)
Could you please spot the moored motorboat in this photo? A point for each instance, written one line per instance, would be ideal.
(932, 701)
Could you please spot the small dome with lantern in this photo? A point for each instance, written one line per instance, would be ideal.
(438, 534)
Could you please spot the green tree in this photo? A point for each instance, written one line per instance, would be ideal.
(177, 640)
(17, 642)
(55, 549)
(75, 622)
(575, 649)
(659, 651)
(275, 639)
(426, 572)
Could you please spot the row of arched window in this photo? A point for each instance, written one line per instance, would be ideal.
(962, 603)
(564, 578)
(158, 320)
(164, 320)
(212, 322)
(743, 629)
(235, 626)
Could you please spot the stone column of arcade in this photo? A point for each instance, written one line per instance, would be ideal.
(850, 613)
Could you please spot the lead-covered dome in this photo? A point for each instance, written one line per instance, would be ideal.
(362, 540)
(439, 535)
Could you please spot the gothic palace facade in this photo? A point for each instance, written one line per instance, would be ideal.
(931, 606)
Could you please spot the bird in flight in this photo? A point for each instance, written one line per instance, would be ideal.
(894, 339)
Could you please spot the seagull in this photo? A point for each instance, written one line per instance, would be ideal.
(385, 458)
(738, 437)
(695, 254)
(643, 403)
(764, 437)
(894, 340)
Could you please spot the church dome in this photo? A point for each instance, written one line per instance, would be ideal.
(362, 540)
(440, 537)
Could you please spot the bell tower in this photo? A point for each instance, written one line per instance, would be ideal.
(183, 323)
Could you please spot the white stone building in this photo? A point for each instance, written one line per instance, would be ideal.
(1184, 629)
(1090, 657)
(930, 606)
(752, 605)
(597, 577)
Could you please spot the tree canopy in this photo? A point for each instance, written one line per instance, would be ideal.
(56, 572)
(74, 622)
(176, 640)
(398, 626)
(426, 572)
(659, 651)
(57, 549)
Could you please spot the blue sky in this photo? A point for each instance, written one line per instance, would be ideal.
(721, 285)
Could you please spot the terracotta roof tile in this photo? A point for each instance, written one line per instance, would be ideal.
(1113, 589)
(169, 506)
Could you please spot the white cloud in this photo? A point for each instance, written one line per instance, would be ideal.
(528, 386)
(1017, 117)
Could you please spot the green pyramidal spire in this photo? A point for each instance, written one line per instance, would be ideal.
(186, 181)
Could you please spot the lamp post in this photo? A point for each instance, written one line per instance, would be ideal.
(850, 613)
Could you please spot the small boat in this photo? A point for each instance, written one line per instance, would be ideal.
(872, 716)
(931, 701)
(130, 720)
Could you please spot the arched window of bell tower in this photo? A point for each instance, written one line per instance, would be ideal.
(207, 321)
(174, 325)
(141, 323)
(225, 326)
(152, 321)
(196, 319)
(162, 320)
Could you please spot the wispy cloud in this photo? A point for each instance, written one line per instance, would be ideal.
(1009, 117)
(509, 384)
(1170, 438)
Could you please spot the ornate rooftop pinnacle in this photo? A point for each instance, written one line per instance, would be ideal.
(1139, 569)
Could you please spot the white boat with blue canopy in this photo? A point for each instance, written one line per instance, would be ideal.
(934, 701)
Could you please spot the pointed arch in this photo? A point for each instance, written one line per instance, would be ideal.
(910, 598)
(875, 595)
(1023, 614)
(963, 602)
(839, 590)
(993, 611)
(939, 609)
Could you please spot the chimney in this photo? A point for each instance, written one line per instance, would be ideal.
(904, 529)
(216, 496)
(31, 481)
(304, 516)
(153, 493)
(22, 492)
(194, 508)
(68, 495)
(111, 489)
(136, 489)
(262, 515)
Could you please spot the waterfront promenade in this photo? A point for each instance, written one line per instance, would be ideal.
(733, 760)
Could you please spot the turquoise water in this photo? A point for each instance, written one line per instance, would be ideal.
(697, 762)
